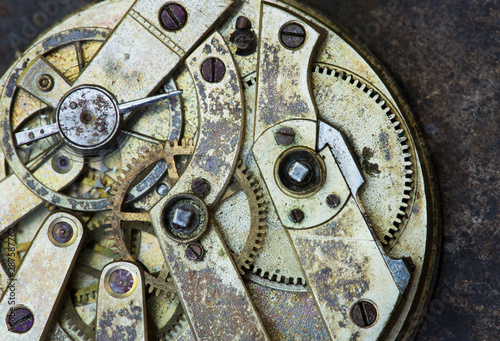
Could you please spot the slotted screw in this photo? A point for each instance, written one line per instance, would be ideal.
(296, 215)
(285, 136)
(195, 252)
(293, 36)
(200, 186)
(173, 17)
(332, 200)
(364, 314)
(213, 70)
(19, 320)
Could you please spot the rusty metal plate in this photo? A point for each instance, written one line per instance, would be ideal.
(235, 170)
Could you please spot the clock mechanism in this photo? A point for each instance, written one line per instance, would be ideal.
(223, 170)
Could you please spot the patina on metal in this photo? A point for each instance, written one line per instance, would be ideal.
(307, 82)
(37, 269)
(121, 311)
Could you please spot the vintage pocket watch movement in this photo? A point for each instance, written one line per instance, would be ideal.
(210, 170)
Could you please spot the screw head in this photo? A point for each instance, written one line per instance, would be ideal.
(296, 215)
(213, 70)
(200, 186)
(162, 189)
(293, 35)
(243, 40)
(173, 16)
(121, 281)
(332, 200)
(364, 314)
(45, 83)
(285, 136)
(195, 252)
(62, 232)
(19, 320)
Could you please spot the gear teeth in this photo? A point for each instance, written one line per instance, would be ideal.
(397, 124)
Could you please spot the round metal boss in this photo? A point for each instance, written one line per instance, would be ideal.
(62, 233)
(120, 282)
(88, 118)
(184, 218)
(300, 171)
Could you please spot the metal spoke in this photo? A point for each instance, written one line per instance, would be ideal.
(143, 216)
(79, 56)
(32, 135)
(142, 137)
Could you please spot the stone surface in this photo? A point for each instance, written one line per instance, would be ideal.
(445, 56)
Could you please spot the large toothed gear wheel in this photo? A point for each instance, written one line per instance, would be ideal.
(389, 171)
(257, 176)
(117, 216)
(248, 244)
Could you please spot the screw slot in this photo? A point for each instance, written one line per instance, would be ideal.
(213, 70)
(243, 37)
(293, 35)
(332, 200)
(19, 320)
(195, 252)
(296, 215)
(173, 16)
(200, 187)
(285, 136)
(364, 314)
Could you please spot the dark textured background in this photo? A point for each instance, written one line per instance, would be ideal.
(445, 56)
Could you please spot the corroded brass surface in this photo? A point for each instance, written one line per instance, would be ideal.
(45, 264)
(307, 276)
(121, 316)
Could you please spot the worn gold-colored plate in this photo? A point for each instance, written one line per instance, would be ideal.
(210, 170)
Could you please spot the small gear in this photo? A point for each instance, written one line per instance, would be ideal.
(246, 182)
(128, 176)
(161, 286)
(73, 325)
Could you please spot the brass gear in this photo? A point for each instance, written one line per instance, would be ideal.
(128, 176)
(244, 178)
(272, 266)
(160, 285)
(249, 185)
